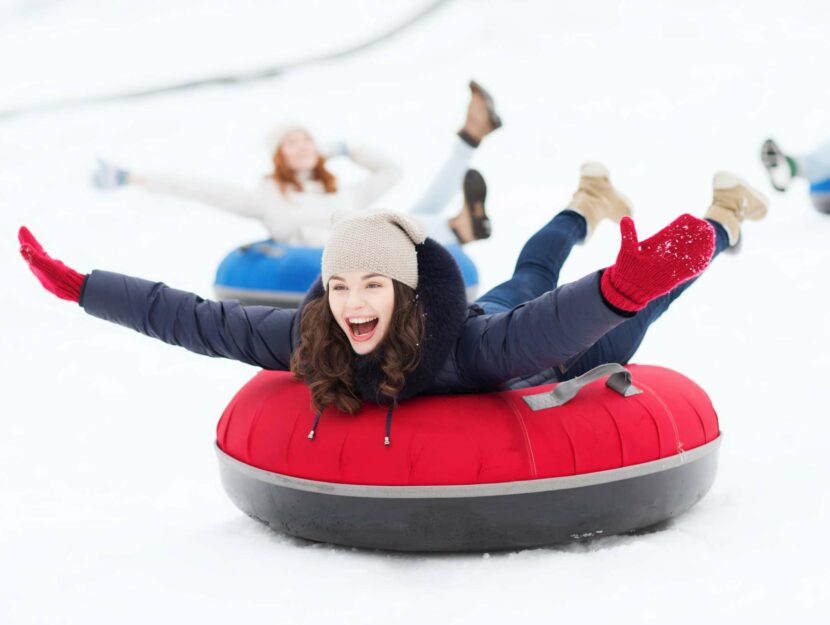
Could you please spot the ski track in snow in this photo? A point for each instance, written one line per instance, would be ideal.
(111, 508)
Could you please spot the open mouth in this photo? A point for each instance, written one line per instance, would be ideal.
(362, 328)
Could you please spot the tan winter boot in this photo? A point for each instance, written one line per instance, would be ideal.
(733, 200)
(596, 199)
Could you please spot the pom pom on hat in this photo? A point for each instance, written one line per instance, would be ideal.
(378, 242)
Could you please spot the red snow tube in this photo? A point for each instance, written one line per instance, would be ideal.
(473, 472)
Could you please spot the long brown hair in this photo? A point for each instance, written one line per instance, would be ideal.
(325, 362)
(286, 177)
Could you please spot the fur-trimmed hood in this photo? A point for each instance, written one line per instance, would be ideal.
(443, 297)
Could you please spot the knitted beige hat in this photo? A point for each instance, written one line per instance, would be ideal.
(382, 242)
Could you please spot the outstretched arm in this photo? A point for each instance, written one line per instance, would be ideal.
(537, 335)
(554, 328)
(257, 335)
(244, 202)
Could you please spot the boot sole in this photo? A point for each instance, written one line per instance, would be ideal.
(495, 120)
(475, 193)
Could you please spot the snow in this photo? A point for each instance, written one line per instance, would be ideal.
(111, 509)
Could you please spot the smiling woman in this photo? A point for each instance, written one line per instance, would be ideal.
(388, 319)
(297, 201)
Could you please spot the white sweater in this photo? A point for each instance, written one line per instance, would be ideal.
(297, 218)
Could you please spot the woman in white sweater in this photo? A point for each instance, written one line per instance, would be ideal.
(297, 202)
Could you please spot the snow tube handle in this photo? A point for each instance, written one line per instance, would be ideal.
(619, 379)
(266, 248)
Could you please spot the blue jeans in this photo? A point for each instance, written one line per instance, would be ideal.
(537, 271)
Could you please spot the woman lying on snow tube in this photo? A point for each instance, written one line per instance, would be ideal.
(296, 203)
(389, 320)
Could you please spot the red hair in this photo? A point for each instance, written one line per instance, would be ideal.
(286, 177)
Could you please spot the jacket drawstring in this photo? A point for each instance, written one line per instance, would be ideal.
(386, 440)
(314, 427)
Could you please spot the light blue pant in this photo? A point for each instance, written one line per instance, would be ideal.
(815, 165)
(445, 184)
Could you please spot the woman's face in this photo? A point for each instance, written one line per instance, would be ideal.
(362, 303)
(299, 151)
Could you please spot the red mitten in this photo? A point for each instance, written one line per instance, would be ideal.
(55, 277)
(648, 269)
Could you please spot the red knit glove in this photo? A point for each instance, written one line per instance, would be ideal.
(55, 277)
(648, 269)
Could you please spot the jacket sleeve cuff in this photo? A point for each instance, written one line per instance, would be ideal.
(83, 290)
(619, 311)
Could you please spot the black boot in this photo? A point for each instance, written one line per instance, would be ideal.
(495, 120)
(472, 223)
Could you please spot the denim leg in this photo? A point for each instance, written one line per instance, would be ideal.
(539, 264)
(620, 343)
(815, 165)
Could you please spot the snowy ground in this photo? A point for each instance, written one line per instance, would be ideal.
(110, 506)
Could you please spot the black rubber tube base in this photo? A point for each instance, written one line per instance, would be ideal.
(822, 202)
(472, 523)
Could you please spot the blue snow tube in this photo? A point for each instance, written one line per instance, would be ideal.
(820, 194)
(468, 269)
(276, 274)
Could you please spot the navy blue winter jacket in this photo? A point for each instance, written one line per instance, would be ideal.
(464, 349)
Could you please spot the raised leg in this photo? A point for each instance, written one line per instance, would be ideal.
(446, 182)
(540, 261)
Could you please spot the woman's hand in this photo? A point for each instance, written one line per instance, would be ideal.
(55, 277)
(648, 269)
(108, 176)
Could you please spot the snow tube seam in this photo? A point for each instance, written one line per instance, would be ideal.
(531, 459)
(677, 442)
(473, 490)
(700, 419)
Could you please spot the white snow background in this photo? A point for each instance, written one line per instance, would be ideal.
(111, 510)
